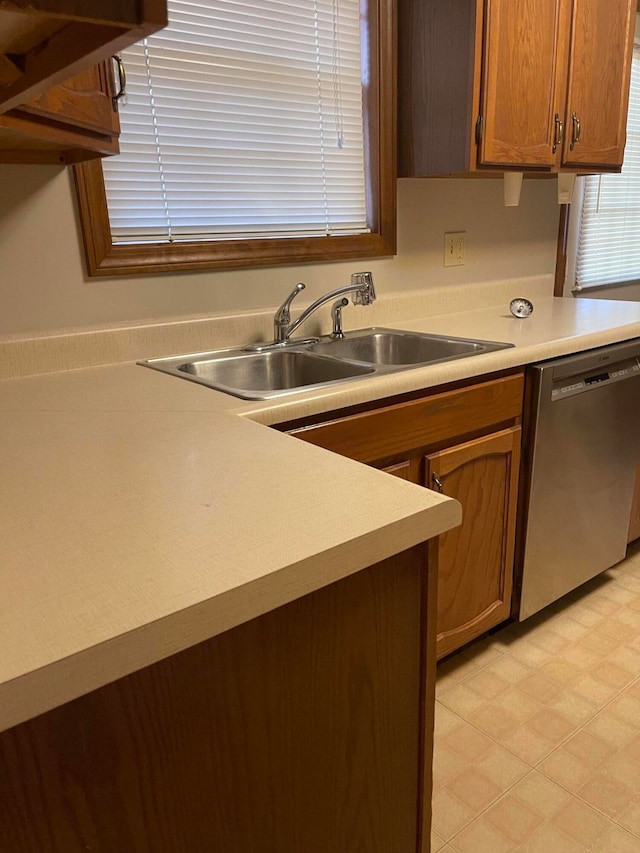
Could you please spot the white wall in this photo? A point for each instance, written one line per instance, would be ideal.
(43, 285)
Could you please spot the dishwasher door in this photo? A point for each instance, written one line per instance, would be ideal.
(583, 461)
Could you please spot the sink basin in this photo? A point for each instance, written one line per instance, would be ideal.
(272, 373)
(259, 376)
(399, 348)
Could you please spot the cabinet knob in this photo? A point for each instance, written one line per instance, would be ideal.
(558, 136)
(122, 81)
(437, 483)
(575, 132)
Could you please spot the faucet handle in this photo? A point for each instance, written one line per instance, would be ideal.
(366, 292)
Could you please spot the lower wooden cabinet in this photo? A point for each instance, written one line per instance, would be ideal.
(634, 524)
(69, 123)
(475, 560)
(466, 443)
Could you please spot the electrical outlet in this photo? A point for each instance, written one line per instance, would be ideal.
(455, 248)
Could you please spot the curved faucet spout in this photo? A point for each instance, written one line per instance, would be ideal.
(361, 289)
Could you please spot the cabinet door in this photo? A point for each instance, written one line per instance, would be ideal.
(408, 469)
(522, 50)
(598, 88)
(475, 560)
(84, 101)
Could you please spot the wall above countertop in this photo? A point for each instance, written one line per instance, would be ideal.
(44, 286)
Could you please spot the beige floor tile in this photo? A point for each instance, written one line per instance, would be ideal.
(607, 795)
(449, 814)
(627, 707)
(575, 708)
(548, 839)
(540, 794)
(461, 700)
(568, 628)
(482, 651)
(468, 742)
(616, 840)
(546, 638)
(503, 768)
(493, 719)
(437, 842)
(538, 686)
(527, 652)
(595, 690)
(567, 770)
(581, 657)
(513, 819)
(562, 670)
(580, 822)
(482, 837)
(612, 673)
(446, 766)
(474, 789)
(627, 656)
(584, 615)
(630, 818)
(600, 644)
(445, 720)
(589, 748)
(508, 669)
(561, 693)
(487, 684)
(611, 729)
(528, 744)
(552, 725)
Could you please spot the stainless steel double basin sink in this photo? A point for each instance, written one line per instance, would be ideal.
(273, 373)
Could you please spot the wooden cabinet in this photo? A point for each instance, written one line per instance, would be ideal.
(634, 524)
(524, 84)
(44, 42)
(304, 730)
(475, 560)
(466, 442)
(74, 121)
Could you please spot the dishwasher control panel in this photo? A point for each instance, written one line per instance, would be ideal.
(569, 386)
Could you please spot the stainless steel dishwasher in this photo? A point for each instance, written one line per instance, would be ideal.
(581, 469)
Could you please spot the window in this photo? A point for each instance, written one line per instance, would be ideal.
(606, 236)
(252, 134)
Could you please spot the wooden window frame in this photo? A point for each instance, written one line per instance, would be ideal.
(103, 258)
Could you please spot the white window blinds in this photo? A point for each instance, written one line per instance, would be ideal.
(609, 236)
(242, 120)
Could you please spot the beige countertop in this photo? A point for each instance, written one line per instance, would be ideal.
(142, 514)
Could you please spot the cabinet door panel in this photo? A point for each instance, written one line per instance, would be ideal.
(84, 101)
(598, 89)
(475, 560)
(519, 81)
(408, 469)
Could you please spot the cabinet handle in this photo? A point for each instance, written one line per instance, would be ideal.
(437, 483)
(559, 133)
(122, 81)
(575, 133)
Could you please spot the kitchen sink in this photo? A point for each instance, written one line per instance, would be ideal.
(276, 371)
(398, 348)
(262, 375)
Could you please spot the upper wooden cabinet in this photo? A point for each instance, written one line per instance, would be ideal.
(74, 121)
(523, 84)
(44, 42)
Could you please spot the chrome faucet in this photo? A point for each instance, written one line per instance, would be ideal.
(361, 290)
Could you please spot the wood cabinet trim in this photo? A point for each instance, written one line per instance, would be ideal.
(373, 435)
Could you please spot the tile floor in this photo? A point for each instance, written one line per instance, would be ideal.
(537, 742)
